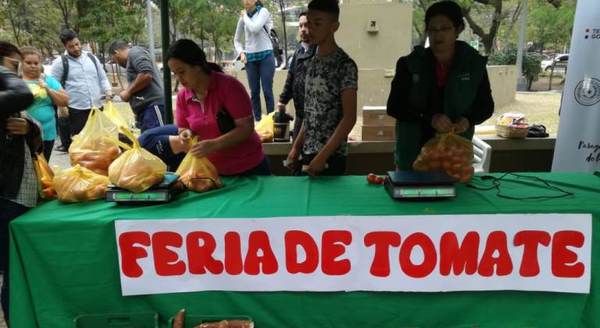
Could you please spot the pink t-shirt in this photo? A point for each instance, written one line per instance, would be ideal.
(224, 91)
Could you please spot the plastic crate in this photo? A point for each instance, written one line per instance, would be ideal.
(117, 320)
(193, 320)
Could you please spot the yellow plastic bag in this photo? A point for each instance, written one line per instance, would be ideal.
(45, 175)
(265, 128)
(136, 169)
(447, 152)
(111, 111)
(79, 184)
(198, 174)
(97, 145)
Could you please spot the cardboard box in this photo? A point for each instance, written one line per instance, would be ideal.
(378, 133)
(377, 116)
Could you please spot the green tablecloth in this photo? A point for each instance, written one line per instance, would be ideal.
(64, 259)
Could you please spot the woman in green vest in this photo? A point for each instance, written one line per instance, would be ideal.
(438, 89)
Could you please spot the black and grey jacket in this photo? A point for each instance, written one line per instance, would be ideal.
(14, 98)
(294, 83)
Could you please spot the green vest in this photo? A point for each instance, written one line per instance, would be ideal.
(465, 75)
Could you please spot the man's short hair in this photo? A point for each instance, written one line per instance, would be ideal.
(117, 45)
(67, 35)
(302, 14)
(329, 6)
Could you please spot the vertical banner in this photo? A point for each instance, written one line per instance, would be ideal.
(578, 141)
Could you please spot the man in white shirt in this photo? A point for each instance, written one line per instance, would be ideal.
(83, 78)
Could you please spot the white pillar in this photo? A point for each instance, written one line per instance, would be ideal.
(522, 30)
(150, 28)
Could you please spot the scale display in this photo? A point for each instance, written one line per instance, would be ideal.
(419, 185)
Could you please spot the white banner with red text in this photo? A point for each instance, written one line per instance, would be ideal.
(437, 253)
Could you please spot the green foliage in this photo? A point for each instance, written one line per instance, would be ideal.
(549, 26)
(531, 67)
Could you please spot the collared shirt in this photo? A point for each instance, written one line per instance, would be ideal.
(200, 116)
(86, 81)
(258, 56)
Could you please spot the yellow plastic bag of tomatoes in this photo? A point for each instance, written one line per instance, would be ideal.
(265, 128)
(447, 152)
(198, 174)
(78, 184)
(136, 169)
(97, 145)
(45, 175)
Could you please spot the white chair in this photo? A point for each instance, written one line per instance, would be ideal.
(482, 155)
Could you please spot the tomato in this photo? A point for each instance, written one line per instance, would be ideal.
(372, 178)
(379, 180)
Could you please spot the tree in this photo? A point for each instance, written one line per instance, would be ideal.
(66, 8)
(105, 21)
(550, 26)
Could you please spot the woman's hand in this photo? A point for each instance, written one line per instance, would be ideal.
(441, 123)
(243, 12)
(243, 58)
(204, 148)
(17, 126)
(42, 83)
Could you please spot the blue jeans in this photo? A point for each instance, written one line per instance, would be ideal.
(151, 117)
(261, 72)
(8, 211)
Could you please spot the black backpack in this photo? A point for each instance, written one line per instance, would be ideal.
(274, 41)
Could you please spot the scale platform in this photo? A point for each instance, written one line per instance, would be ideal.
(410, 185)
(161, 193)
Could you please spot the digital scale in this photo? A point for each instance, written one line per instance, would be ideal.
(410, 185)
(161, 193)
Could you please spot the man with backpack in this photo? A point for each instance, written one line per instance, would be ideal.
(83, 78)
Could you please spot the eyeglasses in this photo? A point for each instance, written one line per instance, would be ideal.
(443, 29)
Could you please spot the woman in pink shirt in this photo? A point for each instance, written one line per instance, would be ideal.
(216, 108)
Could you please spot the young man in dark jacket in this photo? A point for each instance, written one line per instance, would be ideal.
(294, 83)
(19, 140)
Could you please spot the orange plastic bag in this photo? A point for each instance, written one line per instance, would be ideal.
(198, 174)
(136, 169)
(265, 128)
(447, 152)
(79, 184)
(97, 145)
(45, 175)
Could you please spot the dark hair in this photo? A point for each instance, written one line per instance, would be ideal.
(304, 13)
(446, 8)
(117, 45)
(67, 35)
(190, 53)
(7, 49)
(329, 6)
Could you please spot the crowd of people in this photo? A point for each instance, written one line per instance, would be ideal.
(437, 89)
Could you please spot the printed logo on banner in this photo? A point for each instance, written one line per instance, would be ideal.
(587, 92)
(592, 33)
